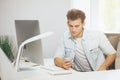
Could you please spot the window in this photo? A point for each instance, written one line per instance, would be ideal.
(102, 15)
(109, 15)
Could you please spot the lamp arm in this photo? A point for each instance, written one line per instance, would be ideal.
(41, 36)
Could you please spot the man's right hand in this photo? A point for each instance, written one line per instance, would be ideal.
(63, 63)
(67, 64)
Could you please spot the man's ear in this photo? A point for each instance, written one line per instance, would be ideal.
(84, 24)
(68, 23)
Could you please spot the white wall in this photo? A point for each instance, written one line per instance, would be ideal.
(50, 13)
(85, 6)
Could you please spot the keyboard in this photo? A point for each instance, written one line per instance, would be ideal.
(54, 70)
(51, 68)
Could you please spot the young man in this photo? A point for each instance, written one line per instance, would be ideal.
(86, 50)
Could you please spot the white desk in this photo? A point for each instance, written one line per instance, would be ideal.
(41, 74)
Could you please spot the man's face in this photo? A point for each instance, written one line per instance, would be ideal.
(76, 27)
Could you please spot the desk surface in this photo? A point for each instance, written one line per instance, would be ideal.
(42, 74)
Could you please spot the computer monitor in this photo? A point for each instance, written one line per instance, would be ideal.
(32, 50)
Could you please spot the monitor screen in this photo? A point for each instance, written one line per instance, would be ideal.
(26, 29)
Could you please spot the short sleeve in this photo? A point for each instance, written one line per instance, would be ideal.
(105, 45)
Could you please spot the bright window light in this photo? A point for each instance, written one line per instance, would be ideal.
(103, 15)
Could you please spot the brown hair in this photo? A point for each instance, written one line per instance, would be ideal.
(74, 14)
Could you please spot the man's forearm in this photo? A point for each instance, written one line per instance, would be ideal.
(63, 63)
(109, 60)
(58, 61)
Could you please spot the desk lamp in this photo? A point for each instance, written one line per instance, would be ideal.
(35, 38)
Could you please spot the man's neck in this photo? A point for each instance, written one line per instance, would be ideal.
(80, 34)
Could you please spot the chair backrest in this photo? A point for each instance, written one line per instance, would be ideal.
(7, 71)
(117, 61)
(114, 39)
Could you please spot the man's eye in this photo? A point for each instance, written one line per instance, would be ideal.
(70, 25)
(77, 26)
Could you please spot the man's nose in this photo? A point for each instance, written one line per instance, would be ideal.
(73, 28)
